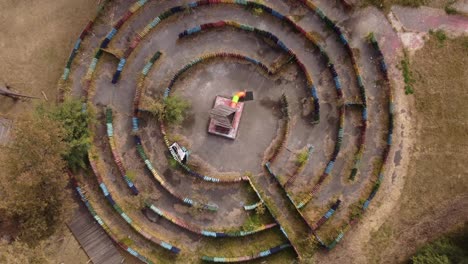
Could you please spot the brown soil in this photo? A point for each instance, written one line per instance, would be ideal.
(35, 40)
(434, 196)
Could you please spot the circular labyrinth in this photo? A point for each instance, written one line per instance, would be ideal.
(311, 149)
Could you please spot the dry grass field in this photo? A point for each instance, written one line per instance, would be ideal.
(35, 40)
(435, 194)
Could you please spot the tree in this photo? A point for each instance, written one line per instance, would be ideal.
(171, 109)
(75, 119)
(34, 180)
(451, 248)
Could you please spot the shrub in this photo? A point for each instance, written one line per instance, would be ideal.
(75, 120)
(449, 9)
(439, 35)
(451, 248)
(302, 158)
(33, 184)
(172, 109)
(407, 75)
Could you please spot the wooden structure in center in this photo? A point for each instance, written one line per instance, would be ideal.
(224, 119)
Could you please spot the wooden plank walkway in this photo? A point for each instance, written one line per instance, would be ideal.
(92, 238)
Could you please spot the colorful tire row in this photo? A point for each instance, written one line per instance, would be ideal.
(104, 43)
(269, 210)
(174, 10)
(331, 163)
(141, 150)
(261, 254)
(338, 238)
(362, 138)
(115, 152)
(250, 207)
(197, 230)
(119, 210)
(84, 33)
(249, 4)
(384, 69)
(224, 23)
(202, 59)
(375, 188)
(104, 226)
(134, 8)
(327, 215)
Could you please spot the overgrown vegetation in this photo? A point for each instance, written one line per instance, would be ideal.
(355, 210)
(407, 75)
(46, 142)
(449, 9)
(302, 157)
(440, 36)
(172, 109)
(33, 185)
(75, 121)
(452, 248)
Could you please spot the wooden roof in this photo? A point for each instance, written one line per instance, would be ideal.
(222, 115)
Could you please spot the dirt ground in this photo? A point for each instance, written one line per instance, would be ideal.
(435, 192)
(36, 38)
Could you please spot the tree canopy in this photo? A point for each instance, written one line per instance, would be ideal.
(171, 109)
(449, 249)
(33, 183)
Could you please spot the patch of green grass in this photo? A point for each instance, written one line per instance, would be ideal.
(131, 175)
(439, 35)
(252, 222)
(449, 9)
(127, 241)
(302, 158)
(407, 75)
(173, 163)
(355, 210)
(465, 44)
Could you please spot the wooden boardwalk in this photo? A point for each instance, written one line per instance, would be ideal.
(92, 238)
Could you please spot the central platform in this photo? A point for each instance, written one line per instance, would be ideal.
(231, 133)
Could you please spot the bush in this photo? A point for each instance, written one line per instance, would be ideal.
(172, 109)
(452, 248)
(33, 184)
(407, 75)
(302, 158)
(439, 35)
(75, 120)
(449, 9)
